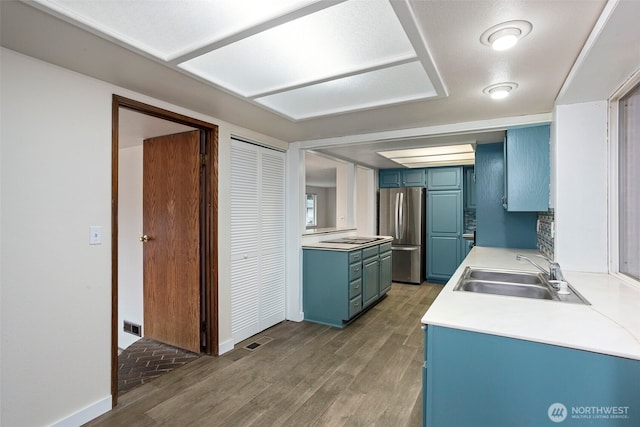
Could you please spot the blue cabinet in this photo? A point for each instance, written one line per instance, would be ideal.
(468, 245)
(526, 157)
(396, 178)
(370, 275)
(469, 188)
(414, 178)
(389, 178)
(385, 270)
(444, 233)
(339, 285)
(475, 379)
(444, 178)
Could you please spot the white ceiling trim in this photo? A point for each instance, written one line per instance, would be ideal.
(598, 28)
(427, 131)
(418, 40)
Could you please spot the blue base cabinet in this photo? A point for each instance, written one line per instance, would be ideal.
(475, 379)
(370, 275)
(385, 268)
(338, 285)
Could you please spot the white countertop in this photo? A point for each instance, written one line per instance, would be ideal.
(347, 246)
(610, 325)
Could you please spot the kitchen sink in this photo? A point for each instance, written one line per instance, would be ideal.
(507, 276)
(515, 284)
(510, 289)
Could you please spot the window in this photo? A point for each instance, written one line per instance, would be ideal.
(629, 184)
(311, 216)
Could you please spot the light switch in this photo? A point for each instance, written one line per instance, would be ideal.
(95, 235)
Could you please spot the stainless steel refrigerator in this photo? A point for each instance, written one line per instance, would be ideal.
(402, 215)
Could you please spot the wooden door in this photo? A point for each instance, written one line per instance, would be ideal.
(171, 221)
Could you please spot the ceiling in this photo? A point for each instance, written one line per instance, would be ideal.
(166, 50)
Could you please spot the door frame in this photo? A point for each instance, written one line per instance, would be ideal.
(209, 223)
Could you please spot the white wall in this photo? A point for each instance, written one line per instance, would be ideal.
(130, 266)
(345, 195)
(330, 208)
(56, 289)
(366, 211)
(580, 175)
(325, 205)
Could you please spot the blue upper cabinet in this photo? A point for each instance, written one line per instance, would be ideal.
(395, 178)
(446, 178)
(526, 156)
(389, 178)
(414, 178)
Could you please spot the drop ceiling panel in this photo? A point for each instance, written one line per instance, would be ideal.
(167, 29)
(346, 38)
(402, 83)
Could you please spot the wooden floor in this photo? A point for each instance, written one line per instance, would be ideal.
(309, 375)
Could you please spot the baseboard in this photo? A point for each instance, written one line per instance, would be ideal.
(86, 414)
(225, 347)
(299, 317)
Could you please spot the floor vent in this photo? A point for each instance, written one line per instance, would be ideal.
(257, 343)
(132, 328)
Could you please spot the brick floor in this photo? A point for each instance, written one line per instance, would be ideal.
(145, 360)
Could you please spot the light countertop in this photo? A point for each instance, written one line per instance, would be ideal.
(610, 325)
(347, 246)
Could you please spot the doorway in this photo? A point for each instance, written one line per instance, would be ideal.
(203, 237)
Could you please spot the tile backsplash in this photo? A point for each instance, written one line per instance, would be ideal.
(545, 238)
(469, 220)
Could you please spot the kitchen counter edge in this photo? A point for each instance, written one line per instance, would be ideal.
(347, 246)
(610, 325)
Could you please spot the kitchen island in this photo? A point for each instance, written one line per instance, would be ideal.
(493, 360)
(344, 277)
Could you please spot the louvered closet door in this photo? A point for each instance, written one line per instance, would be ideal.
(257, 239)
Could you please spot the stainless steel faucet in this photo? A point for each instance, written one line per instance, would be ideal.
(554, 273)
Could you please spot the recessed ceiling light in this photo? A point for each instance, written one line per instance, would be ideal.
(500, 90)
(506, 35)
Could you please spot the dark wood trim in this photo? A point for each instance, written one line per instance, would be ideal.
(210, 223)
(115, 124)
(212, 247)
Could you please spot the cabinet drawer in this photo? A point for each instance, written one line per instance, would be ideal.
(354, 257)
(355, 272)
(370, 252)
(385, 247)
(355, 306)
(355, 288)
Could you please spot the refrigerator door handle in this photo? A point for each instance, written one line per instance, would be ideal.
(401, 248)
(397, 219)
(401, 232)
